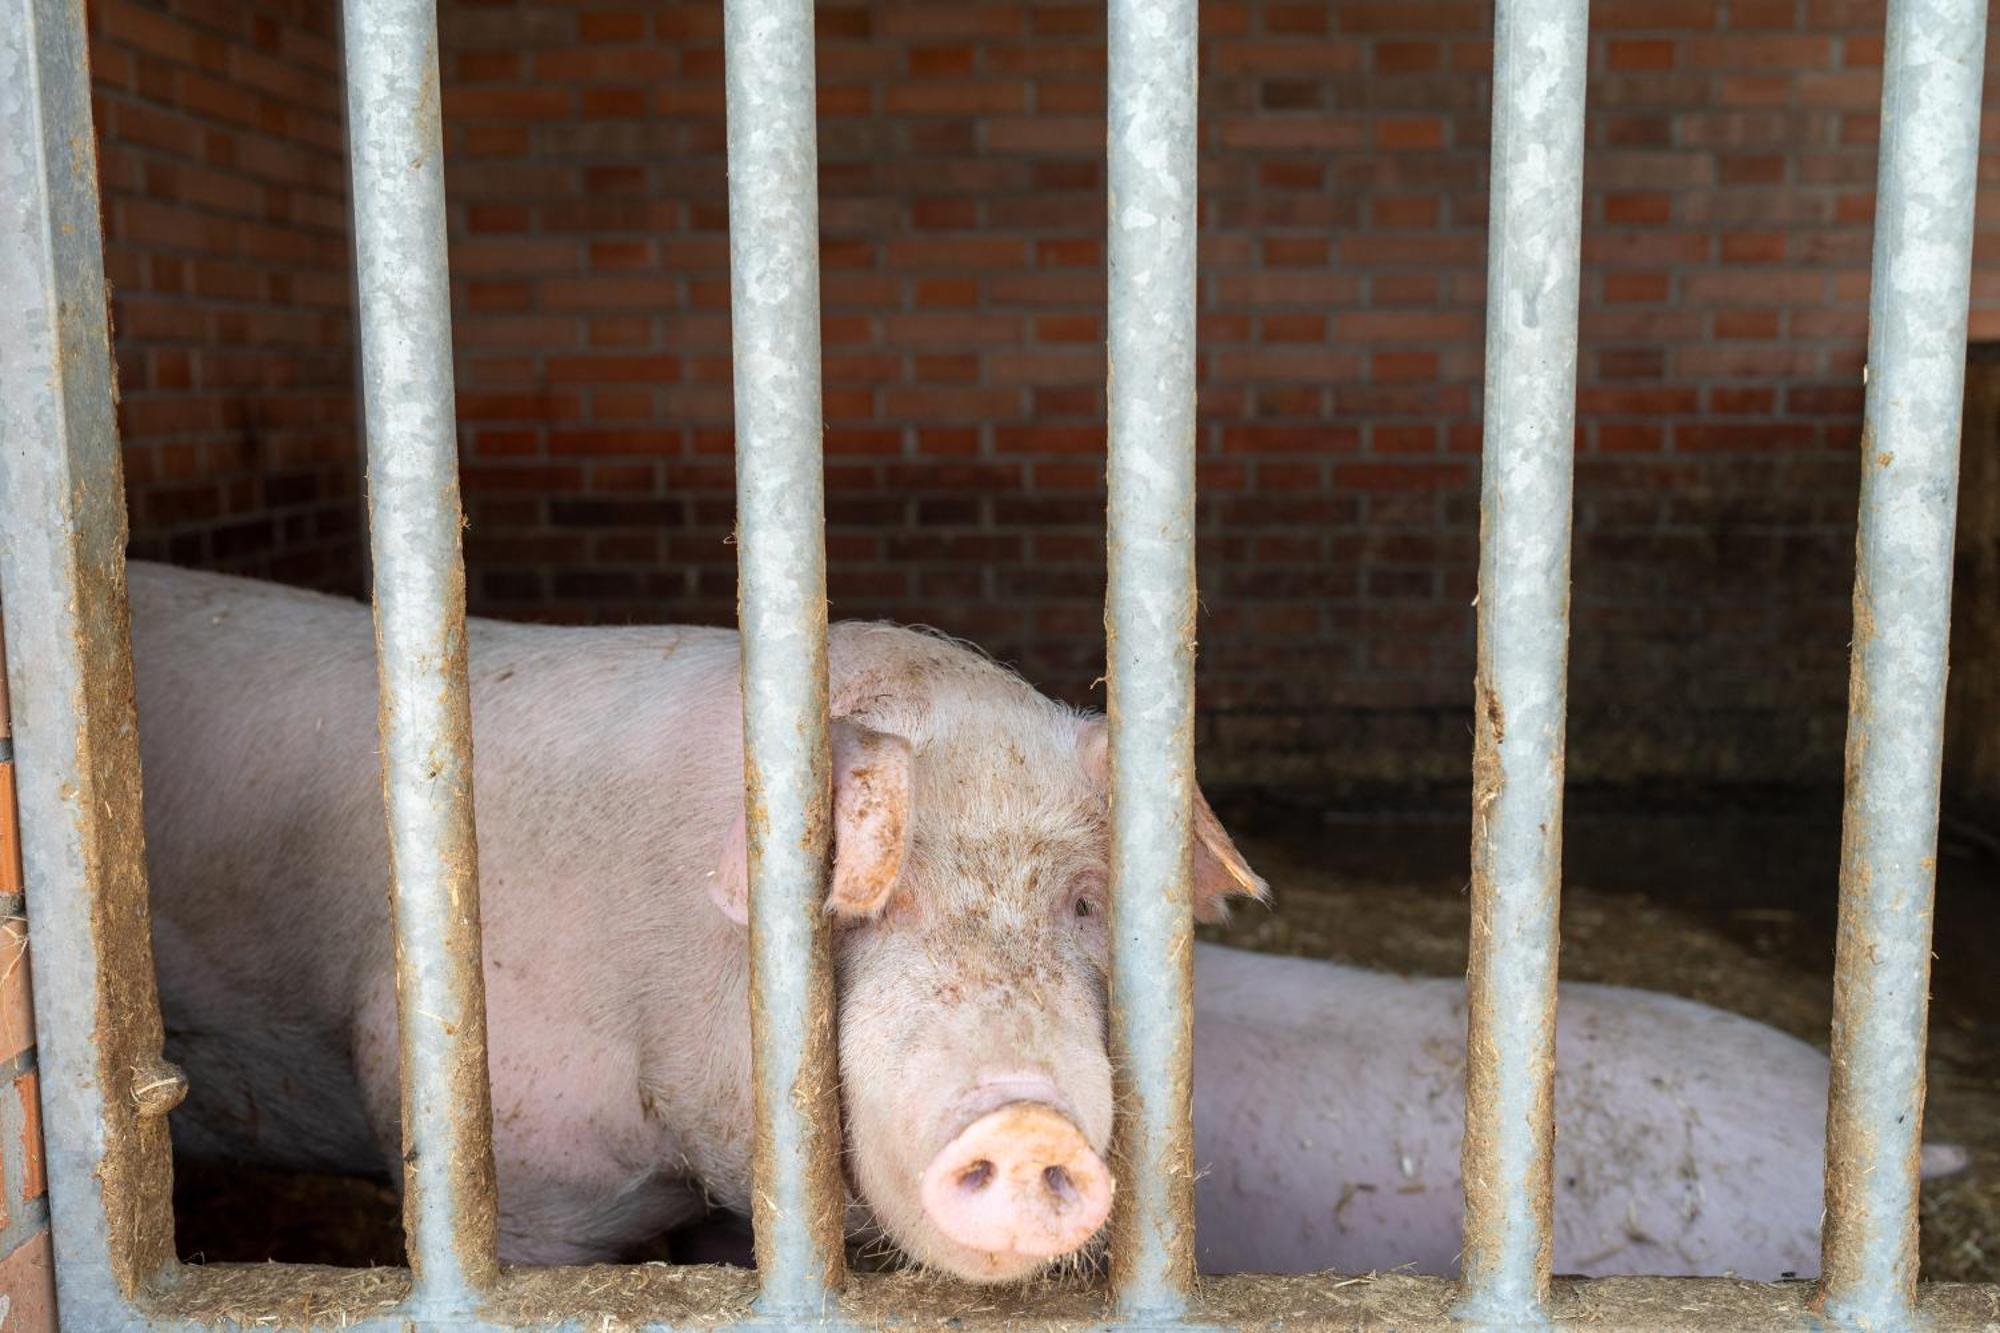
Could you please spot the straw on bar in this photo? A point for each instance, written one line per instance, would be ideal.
(405, 317)
(1150, 629)
(62, 575)
(1523, 613)
(1902, 608)
(798, 1195)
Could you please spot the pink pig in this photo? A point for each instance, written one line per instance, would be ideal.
(969, 890)
(968, 887)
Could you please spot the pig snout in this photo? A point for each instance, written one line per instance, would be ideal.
(1018, 1182)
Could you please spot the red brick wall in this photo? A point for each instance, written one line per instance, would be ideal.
(27, 1275)
(224, 185)
(1728, 200)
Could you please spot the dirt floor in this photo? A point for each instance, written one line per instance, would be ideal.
(1730, 904)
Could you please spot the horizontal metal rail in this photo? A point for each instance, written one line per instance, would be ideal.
(1149, 635)
(1932, 64)
(666, 1300)
(1539, 55)
(798, 1191)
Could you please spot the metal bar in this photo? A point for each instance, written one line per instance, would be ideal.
(62, 575)
(1150, 634)
(449, 1208)
(1539, 56)
(1928, 171)
(798, 1194)
(661, 1300)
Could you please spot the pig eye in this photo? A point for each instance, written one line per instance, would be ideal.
(1083, 907)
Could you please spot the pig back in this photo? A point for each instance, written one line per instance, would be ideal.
(604, 760)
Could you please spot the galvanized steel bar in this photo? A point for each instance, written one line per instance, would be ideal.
(1925, 186)
(1150, 632)
(414, 519)
(1540, 51)
(798, 1192)
(62, 577)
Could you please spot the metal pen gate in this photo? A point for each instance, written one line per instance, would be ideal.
(106, 1091)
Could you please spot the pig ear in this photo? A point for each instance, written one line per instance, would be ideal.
(871, 828)
(1220, 872)
(871, 818)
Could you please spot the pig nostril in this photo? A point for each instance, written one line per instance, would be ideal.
(976, 1177)
(1057, 1181)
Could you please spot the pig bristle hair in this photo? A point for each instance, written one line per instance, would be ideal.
(977, 652)
(942, 636)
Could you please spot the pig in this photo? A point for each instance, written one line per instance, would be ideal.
(1330, 1109)
(1329, 1114)
(967, 892)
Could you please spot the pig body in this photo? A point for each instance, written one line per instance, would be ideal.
(970, 957)
(1329, 1112)
(967, 886)
(617, 996)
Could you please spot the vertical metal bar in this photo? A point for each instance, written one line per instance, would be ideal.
(396, 141)
(798, 1192)
(1928, 170)
(1539, 56)
(62, 574)
(1150, 633)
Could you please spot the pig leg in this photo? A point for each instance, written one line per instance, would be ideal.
(584, 1174)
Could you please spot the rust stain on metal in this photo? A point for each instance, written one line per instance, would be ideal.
(814, 1093)
(1174, 1158)
(1484, 1225)
(471, 1091)
(136, 1175)
(1850, 1132)
(476, 1235)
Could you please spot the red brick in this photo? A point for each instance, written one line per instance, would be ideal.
(1402, 438)
(1406, 211)
(1069, 328)
(613, 369)
(955, 98)
(1629, 437)
(967, 252)
(1406, 57)
(1402, 367)
(1401, 476)
(1294, 327)
(27, 1280)
(1323, 438)
(33, 1184)
(1342, 259)
(1638, 208)
(940, 61)
(1429, 326)
(620, 26)
(946, 292)
(1635, 287)
(1635, 54)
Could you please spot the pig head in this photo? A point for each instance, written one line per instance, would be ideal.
(969, 891)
